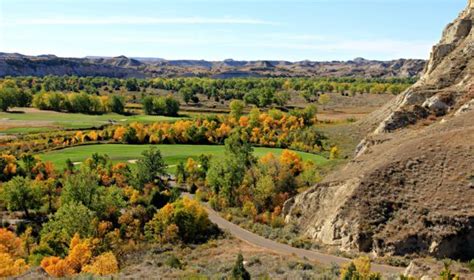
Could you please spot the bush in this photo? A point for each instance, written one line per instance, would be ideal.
(104, 264)
(238, 271)
(174, 262)
(188, 217)
(471, 265)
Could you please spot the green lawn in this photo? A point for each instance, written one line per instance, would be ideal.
(172, 154)
(43, 120)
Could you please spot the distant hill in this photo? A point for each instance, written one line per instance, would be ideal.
(14, 64)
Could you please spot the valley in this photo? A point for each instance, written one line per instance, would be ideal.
(128, 167)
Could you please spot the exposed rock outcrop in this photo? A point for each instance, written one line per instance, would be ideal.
(408, 190)
(122, 67)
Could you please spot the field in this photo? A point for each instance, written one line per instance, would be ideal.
(27, 120)
(173, 154)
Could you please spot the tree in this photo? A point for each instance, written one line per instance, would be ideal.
(7, 98)
(132, 84)
(186, 93)
(225, 175)
(21, 194)
(236, 108)
(70, 219)
(11, 263)
(238, 271)
(151, 168)
(82, 188)
(184, 217)
(117, 104)
(281, 98)
(148, 105)
(104, 264)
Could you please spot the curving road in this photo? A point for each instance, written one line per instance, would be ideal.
(271, 245)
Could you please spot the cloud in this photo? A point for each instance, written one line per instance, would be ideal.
(374, 47)
(142, 21)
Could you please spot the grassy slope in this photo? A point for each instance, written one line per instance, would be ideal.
(43, 120)
(172, 154)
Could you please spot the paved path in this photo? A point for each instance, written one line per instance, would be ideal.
(277, 247)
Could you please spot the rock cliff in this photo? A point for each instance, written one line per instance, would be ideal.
(124, 67)
(409, 190)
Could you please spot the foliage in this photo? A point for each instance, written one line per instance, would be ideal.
(238, 271)
(470, 264)
(359, 269)
(80, 259)
(70, 219)
(184, 218)
(104, 264)
(151, 168)
(11, 261)
(76, 103)
(21, 194)
(164, 106)
(447, 274)
(174, 262)
(236, 108)
(225, 175)
(334, 153)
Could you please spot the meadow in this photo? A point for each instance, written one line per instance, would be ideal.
(27, 120)
(172, 154)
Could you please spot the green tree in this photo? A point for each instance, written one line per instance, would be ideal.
(186, 93)
(7, 98)
(117, 104)
(82, 188)
(226, 174)
(281, 98)
(238, 271)
(21, 194)
(151, 168)
(70, 219)
(148, 105)
(236, 108)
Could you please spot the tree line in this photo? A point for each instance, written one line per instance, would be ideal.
(261, 92)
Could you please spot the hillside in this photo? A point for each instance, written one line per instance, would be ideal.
(409, 190)
(124, 67)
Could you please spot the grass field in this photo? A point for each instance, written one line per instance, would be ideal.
(172, 154)
(31, 120)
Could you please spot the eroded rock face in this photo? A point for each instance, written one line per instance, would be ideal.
(408, 191)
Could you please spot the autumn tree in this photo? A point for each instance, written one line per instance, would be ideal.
(11, 253)
(70, 219)
(185, 217)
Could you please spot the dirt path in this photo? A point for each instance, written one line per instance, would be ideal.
(274, 246)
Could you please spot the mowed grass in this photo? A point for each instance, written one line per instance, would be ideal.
(172, 154)
(22, 122)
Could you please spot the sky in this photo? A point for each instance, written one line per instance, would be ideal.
(291, 30)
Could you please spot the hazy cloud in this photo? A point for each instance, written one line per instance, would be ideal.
(141, 21)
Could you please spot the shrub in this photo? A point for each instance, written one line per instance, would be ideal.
(187, 215)
(471, 265)
(10, 252)
(238, 271)
(174, 262)
(104, 264)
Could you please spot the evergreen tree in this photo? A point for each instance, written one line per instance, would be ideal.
(238, 271)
